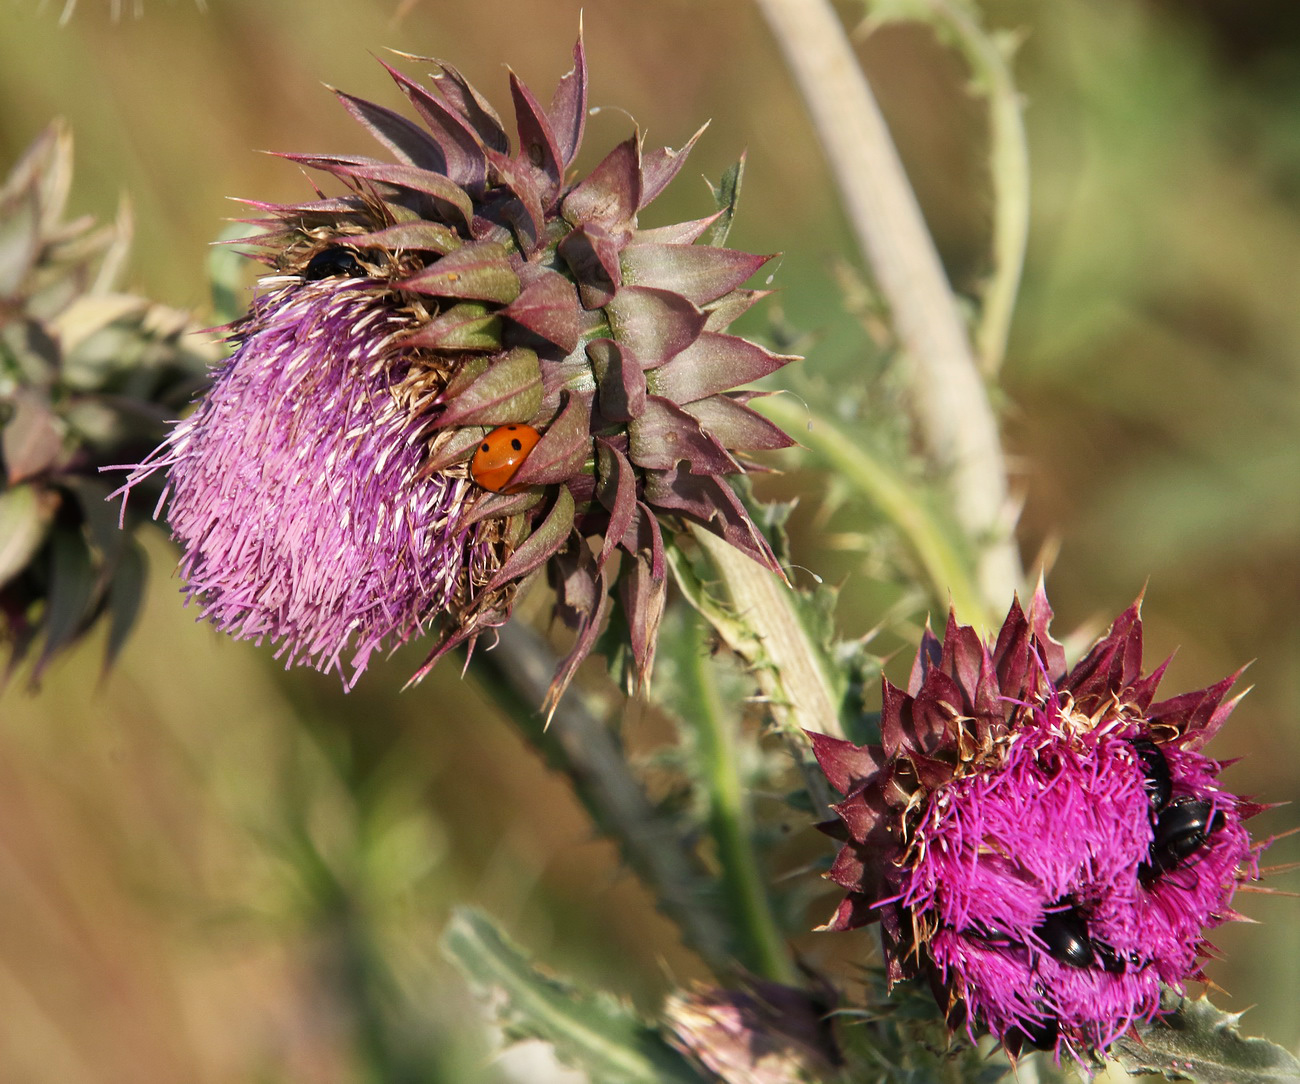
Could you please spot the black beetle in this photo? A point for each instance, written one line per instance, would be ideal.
(1159, 785)
(1182, 828)
(1065, 933)
(333, 262)
(1112, 960)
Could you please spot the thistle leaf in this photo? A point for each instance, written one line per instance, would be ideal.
(593, 1032)
(1200, 1042)
(726, 193)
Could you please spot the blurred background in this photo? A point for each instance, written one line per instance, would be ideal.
(211, 870)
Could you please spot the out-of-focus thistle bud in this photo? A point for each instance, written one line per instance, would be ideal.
(1046, 844)
(460, 371)
(765, 1034)
(88, 376)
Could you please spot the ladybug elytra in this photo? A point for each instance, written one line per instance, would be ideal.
(500, 455)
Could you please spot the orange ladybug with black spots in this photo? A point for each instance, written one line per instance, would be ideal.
(500, 455)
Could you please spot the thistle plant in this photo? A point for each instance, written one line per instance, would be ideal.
(457, 373)
(467, 367)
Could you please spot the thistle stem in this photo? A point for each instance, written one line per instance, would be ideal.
(761, 946)
(576, 742)
(945, 565)
(762, 626)
(1008, 171)
(954, 418)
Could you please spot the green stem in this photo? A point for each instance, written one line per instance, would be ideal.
(949, 572)
(517, 672)
(761, 945)
(1009, 172)
(760, 623)
(955, 421)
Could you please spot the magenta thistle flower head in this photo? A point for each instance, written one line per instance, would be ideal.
(457, 372)
(1047, 845)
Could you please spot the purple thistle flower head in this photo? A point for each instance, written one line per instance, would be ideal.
(356, 476)
(1047, 845)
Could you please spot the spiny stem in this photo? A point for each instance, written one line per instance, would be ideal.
(761, 946)
(583, 747)
(761, 625)
(955, 420)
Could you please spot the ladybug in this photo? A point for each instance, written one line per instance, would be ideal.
(499, 457)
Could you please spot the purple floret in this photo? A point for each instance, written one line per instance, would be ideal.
(294, 486)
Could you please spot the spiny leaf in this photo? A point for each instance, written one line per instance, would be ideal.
(1199, 1042)
(590, 1031)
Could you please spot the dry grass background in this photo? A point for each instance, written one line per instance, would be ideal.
(214, 871)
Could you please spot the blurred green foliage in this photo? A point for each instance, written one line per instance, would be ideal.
(244, 873)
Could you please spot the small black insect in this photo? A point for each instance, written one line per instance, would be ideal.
(1182, 828)
(1156, 769)
(333, 262)
(1065, 933)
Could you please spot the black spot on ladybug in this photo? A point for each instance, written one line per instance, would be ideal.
(517, 444)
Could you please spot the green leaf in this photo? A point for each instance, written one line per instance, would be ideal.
(1199, 1042)
(228, 274)
(25, 515)
(467, 326)
(72, 591)
(726, 193)
(593, 1032)
(478, 272)
(125, 596)
(508, 390)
